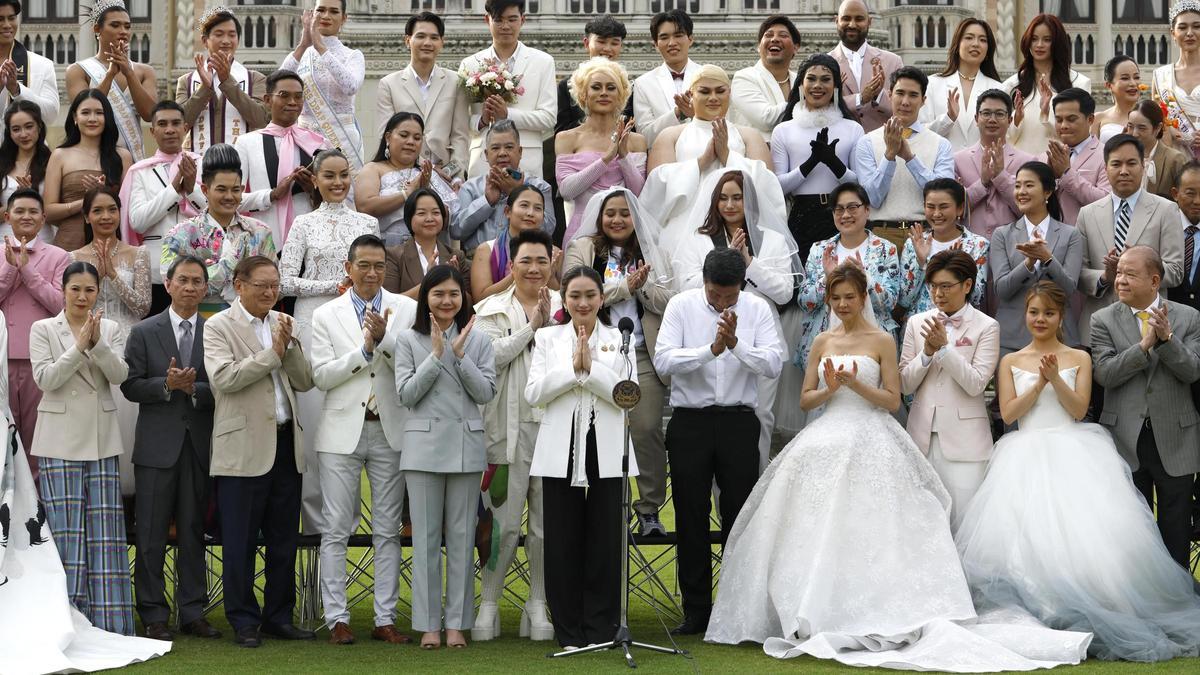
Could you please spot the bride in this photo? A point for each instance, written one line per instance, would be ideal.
(843, 550)
(1057, 526)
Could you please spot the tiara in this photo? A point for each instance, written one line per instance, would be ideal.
(99, 7)
(210, 13)
(1184, 6)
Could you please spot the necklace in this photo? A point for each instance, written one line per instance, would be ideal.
(968, 79)
(785, 80)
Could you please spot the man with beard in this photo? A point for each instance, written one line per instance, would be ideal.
(866, 70)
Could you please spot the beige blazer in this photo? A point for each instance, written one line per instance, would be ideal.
(77, 417)
(1155, 222)
(948, 391)
(239, 371)
(447, 115)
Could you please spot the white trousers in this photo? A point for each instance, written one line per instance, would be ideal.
(962, 479)
(508, 517)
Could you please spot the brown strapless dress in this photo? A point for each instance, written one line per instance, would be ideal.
(71, 230)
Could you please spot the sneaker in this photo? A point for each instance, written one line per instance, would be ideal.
(649, 525)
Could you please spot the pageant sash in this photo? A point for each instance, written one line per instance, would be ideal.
(130, 235)
(129, 123)
(20, 59)
(342, 131)
(220, 114)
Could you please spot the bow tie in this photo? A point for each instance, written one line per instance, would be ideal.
(675, 75)
(952, 321)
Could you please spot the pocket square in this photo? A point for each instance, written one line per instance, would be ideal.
(963, 341)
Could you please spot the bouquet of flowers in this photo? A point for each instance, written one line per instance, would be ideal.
(490, 77)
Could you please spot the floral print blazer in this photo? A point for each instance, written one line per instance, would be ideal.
(914, 293)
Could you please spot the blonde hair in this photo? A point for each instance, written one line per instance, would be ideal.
(598, 64)
(708, 72)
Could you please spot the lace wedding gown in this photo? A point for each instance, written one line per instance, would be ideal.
(1059, 529)
(843, 551)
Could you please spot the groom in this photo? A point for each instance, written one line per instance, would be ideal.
(949, 355)
(1146, 351)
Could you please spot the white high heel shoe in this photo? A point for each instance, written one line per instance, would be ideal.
(535, 624)
(487, 622)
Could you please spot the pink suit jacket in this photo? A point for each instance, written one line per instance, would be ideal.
(1085, 182)
(31, 293)
(992, 206)
(871, 114)
(948, 393)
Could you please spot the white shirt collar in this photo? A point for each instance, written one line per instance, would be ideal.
(176, 319)
(860, 53)
(250, 317)
(1186, 223)
(510, 60)
(1132, 199)
(1153, 305)
(1043, 226)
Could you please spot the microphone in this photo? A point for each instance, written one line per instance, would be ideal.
(625, 325)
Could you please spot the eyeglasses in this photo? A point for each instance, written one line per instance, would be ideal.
(851, 208)
(259, 286)
(993, 114)
(285, 96)
(943, 288)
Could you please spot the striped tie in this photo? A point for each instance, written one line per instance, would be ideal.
(1189, 249)
(1122, 228)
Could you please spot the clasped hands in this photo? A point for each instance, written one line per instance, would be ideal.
(181, 379)
(726, 337)
(836, 377)
(824, 152)
(1160, 327)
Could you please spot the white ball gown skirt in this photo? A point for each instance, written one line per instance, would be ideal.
(1059, 529)
(843, 551)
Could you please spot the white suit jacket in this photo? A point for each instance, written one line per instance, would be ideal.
(654, 99)
(555, 386)
(340, 369)
(257, 197)
(42, 89)
(948, 391)
(961, 132)
(447, 116)
(534, 113)
(154, 209)
(757, 100)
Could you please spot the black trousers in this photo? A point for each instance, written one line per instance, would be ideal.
(1173, 495)
(810, 221)
(179, 492)
(269, 504)
(703, 445)
(583, 529)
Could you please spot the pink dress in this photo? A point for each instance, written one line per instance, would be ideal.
(583, 174)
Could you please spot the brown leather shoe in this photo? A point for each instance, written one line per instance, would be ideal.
(390, 635)
(159, 631)
(201, 628)
(340, 634)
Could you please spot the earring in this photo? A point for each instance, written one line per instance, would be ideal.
(387, 152)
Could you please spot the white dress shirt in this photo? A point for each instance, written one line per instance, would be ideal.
(1116, 205)
(262, 329)
(698, 378)
(856, 60)
(1041, 230)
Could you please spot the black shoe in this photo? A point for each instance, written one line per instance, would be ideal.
(650, 525)
(247, 637)
(201, 628)
(287, 631)
(692, 625)
(158, 631)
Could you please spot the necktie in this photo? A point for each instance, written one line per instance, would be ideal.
(906, 133)
(1189, 248)
(1122, 227)
(185, 344)
(675, 75)
(951, 321)
(1144, 319)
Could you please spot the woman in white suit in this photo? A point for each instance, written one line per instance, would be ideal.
(444, 373)
(76, 358)
(970, 70)
(575, 366)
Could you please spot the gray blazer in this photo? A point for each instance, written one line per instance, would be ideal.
(163, 420)
(1012, 279)
(1156, 384)
(444, 429)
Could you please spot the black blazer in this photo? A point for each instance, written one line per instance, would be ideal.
(162, 422)
(1188, 293)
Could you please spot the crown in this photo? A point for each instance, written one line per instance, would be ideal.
(99, 7)
(1184, 6)
(210, 13)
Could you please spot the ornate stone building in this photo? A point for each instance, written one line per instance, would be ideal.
(919, 30)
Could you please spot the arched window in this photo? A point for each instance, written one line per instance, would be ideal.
(145, 49)
(1078, 49)
(919, 35)
(271, 32)
(1162, 49)
(71, 51)
(929, 35)
(1091, 50)
(942, 32)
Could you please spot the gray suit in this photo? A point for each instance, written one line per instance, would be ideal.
(1148, 409)
(170, 457)
(1012, 279)
(443, 461)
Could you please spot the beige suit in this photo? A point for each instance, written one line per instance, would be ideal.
(77, 416)
(447, 114)
(1154, 223)
(239, 370)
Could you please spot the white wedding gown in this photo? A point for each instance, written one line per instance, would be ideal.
(843, 551)
(1059, 529)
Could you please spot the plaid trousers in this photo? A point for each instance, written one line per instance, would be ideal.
(87, 521)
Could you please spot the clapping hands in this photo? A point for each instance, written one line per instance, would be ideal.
(181, 379)
(1048, 370)
(374, 327)
(726, 337)
(934, 334)
(836, 377)
(281, 337)
(89, 334)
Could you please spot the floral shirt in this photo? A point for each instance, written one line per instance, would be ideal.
(220, 249)
(914, 292)
(883, 275)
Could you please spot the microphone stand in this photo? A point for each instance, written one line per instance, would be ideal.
(626, 395)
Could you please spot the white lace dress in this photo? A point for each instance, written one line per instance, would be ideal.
(843, 551)
(124, 300)
(1059, 529)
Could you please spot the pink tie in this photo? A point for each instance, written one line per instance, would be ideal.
(952, 321)
(289, 139)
